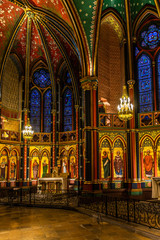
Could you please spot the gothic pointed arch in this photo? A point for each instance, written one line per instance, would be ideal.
(111, 64)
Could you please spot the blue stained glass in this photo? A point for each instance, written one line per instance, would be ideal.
(67, 99)
(145, 98)
(146, 108)
(145, 84)
(158, 75)
(136, 51)
(68, 78)
(47, 110)
(67, 120)
(151, 38)
(67, 128)
(41, 78)
(35, 109)
(67, 111)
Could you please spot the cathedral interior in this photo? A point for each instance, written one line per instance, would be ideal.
(63, 66)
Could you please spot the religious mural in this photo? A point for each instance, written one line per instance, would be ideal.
(64, 162)
(105, 159)
(3, 164)
(158, 158)
(35, 165)
(45, 164)
(148, 158)
(13, 165)
(72, 162)
(118, 159)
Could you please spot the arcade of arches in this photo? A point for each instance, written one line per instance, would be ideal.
(63, 64)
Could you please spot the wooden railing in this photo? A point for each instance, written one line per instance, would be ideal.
(109, 120)
(151, 119)
(67, 136)
(12, 136)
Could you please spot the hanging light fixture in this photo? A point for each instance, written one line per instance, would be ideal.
(125, 108)
(28, 132)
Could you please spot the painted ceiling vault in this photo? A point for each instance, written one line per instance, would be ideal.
(52, 20)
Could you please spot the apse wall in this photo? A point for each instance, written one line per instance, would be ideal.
(109, 67)
(10, 86)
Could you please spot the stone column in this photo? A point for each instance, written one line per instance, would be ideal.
(77, 140)
(89, 86)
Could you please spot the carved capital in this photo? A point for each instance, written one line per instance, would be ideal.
(89, 83)
(134, 39)
(58, 80)
(141, 149)
(54, 112)
(131, 83)
(76, 107)
(25, 111)
(155, 149)
(22, 78)
(94, 85)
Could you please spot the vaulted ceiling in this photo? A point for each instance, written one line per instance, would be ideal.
(61, 30)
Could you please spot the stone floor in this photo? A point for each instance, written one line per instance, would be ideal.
(21, 223)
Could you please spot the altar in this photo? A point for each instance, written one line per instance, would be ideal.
(156, 187)
(52, 184)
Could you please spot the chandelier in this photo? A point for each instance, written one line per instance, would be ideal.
(125, 108)
(28, 132)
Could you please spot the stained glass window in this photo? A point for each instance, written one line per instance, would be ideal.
(35, 109)
(136, 51)
(145, 84)
(68, 80)
(158, 76)
(40, 107)
(67, 100)
(41, 78)
(47, 99)
(151, 37)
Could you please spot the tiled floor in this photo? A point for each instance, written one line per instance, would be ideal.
(20, 223)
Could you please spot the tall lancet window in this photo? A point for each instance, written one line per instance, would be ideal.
(67, 109)
(41, 101)
(35, 109)
(158, 79)
(145, 84)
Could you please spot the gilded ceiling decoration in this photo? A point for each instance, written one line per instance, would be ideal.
(55, 15)
(115, 25)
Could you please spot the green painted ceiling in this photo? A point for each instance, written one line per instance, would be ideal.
(116, 4)
(136, 6)
(87, 11)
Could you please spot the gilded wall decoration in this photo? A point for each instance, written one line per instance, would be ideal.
(113, 135)
(153, 134)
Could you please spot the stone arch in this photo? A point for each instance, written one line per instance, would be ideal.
(111, 73)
